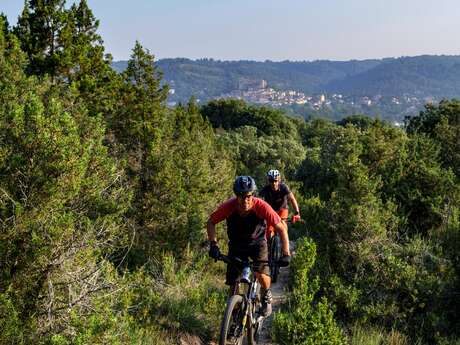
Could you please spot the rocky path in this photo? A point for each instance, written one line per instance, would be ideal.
(279, 298)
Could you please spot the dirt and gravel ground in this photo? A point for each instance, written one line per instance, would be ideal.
(279, 298)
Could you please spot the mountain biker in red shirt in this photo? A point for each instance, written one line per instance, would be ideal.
(247, 218)
(277, 195)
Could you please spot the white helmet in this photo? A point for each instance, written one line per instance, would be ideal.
(273, 175)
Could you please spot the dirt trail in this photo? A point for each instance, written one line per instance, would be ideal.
(279, 298)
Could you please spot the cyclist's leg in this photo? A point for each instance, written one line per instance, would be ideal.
(259, 252)
(233, 272)
(284, 214)
(264, 279)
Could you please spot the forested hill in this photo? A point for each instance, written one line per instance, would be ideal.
(422, 76)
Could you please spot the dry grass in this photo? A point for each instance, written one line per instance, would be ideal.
(376, 336)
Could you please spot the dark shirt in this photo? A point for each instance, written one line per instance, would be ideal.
(277, 199)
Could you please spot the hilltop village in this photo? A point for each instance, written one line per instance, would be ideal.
(258, 92)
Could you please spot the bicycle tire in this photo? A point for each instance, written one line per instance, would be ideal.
(275, 255)
(253, 329)
(233, 316)
(252, 334)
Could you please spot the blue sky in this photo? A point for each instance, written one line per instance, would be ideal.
(274, 29)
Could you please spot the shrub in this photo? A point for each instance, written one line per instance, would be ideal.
(307, 321)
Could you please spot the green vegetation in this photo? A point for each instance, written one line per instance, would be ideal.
(388, 89)
(304, 322)
(104, 193)
(101, 231)
(209, 78)
(385, 221)
(420, 76)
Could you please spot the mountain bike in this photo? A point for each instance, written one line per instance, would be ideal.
(242, 311)
(274, 254)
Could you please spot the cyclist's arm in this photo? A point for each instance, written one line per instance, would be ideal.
(222, 212)
(281, 228)
(293, 202)
(211, 229)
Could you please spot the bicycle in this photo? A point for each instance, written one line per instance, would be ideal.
(274, 254)
(243, 305)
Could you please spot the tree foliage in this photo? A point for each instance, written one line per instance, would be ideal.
(231, 114)
(61, 202)
(306, 322)
(384, 205)
(105, 190)
(442, 124)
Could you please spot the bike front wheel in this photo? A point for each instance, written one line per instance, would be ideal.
(232, 328)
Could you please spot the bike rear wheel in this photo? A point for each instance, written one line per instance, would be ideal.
(275, 255)
(232, 328)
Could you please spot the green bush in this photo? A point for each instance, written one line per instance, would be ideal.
(305, 321)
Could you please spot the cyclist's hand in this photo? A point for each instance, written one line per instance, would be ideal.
(295, 218)
(284, 261)
(214, 251)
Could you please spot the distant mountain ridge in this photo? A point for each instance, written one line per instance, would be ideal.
(421, 76)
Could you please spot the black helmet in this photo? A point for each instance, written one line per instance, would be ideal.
(244, 184)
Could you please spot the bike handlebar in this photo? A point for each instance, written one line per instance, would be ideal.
(234, 260)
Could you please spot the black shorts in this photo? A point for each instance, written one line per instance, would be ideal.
(257, 252)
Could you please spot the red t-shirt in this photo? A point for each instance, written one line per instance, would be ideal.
(262, 209)
(250, 227)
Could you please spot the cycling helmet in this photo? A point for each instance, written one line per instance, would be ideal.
(244, 184)
(273, 175)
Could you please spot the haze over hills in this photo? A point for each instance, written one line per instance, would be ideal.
(392, 87)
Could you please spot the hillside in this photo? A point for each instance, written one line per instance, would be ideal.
(421, 76)
(208, 78)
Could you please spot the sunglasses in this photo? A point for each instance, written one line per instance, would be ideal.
(244, 195)
(273, 181)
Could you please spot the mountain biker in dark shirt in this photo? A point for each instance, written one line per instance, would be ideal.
(277, 195)
(247, 218)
